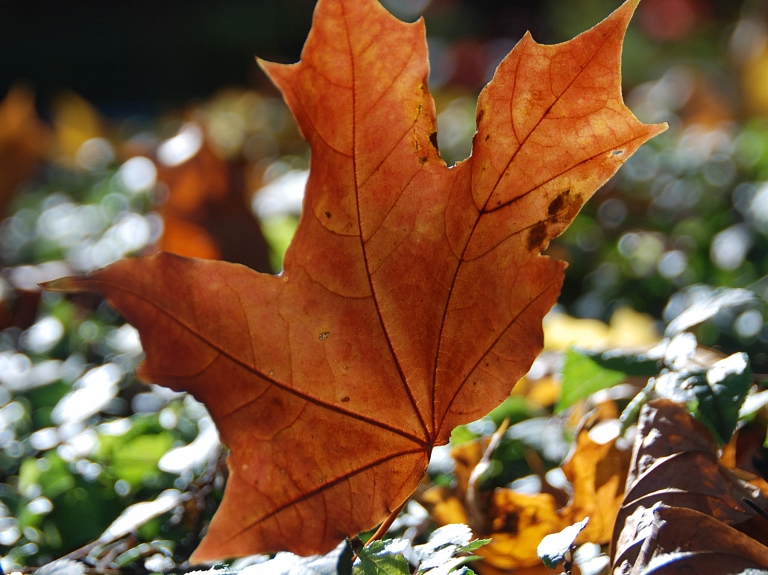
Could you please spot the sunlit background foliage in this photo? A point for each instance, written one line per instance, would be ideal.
(124, 131)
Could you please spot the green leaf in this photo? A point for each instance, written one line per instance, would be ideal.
(713, 397)
(382, 558)
(633, 363)
(516, 409)
(708, 307)
(582, 377)
(553, 548)
(446, 550)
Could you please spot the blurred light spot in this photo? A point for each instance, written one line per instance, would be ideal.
(159, 563)
(116, 427)
(719, 171)
(496, 49)
(670, 20)
(590, 238)
(748, 40)
(441, 63)
(729, 247)
(227, 131)
(83, 443)
(749, 147)
(43, 335)
(406, 8)
(72, 368)
(282, 196)
(269, 116)
(194, 455)
(138, 174)
(9, 535)
(605, 431)
(743, 196)
(441, 461)
(589, 305)
(168, 419)
(748, 324)
(89, 470)
(139, 513)
(455, 127)
(40, 506)
(11, 413)
(672, 264)
(132, 231)
(27, 277)
(122, 487)
(759, 208)
(14, 368)
(88, 330)
(182, 146)
(44, 439)
(678, 194)
(95, 154)
(556, 478)
(643, 249)
(259, 147)
(92, 391)
(125, 339)
(147, 402)
(530, 485)
(628, 244)
(656, 101)
(612, 212)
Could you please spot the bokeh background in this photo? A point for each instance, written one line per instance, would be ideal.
(131, 127)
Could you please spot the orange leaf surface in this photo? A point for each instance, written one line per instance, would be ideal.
(413, 293)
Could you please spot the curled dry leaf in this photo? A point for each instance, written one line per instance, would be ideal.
(683, 509)
(413, 293)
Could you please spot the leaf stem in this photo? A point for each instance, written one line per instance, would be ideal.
(384, 527)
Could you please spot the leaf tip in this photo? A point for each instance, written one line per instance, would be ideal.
(62, 284)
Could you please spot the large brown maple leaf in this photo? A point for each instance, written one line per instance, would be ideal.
(413, 293)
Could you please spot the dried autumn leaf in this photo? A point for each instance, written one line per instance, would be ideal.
(597, 470)
(683, 509)
(24, 140)
(205, 214)
(412, 294)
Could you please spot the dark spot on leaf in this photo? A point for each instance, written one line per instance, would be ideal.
(433, 139)
(488, 137)
(345, 399)
(423, 160)
(328, 215)
(487, 364)
(565, 206)
(537, 236)
(557, 204)
(479, 117)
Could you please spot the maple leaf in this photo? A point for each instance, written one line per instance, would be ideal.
(413, 293)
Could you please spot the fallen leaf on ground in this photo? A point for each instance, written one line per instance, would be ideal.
(413, 293)
(205, 214)
(24, 140)
(683, 509)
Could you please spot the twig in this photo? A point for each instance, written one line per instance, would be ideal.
(760, 511)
